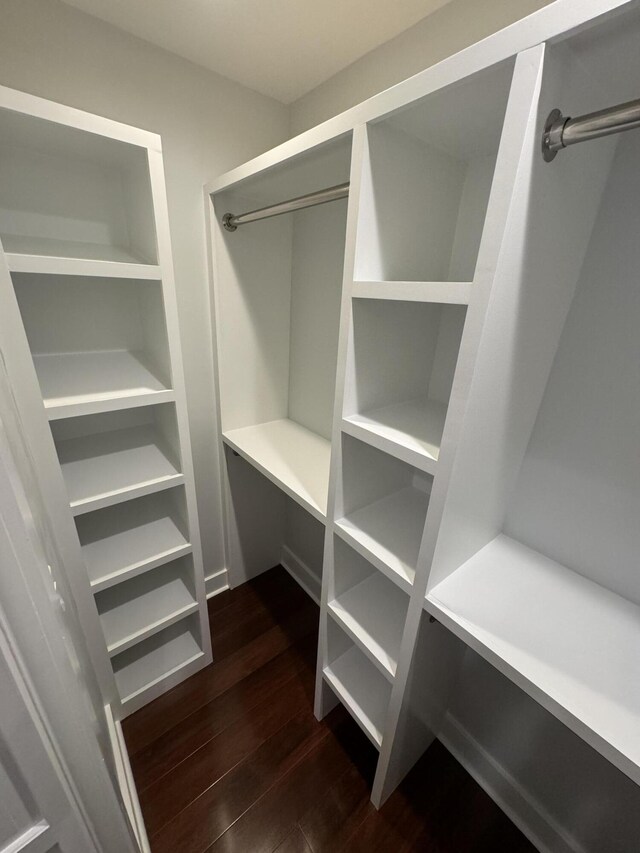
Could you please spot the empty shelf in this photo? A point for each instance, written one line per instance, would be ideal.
(568, 642)
(444, 292)
(411, 431)
(84, 383)
(105, 468)
(135, 610)
(43, 255)
(373, 613)
(141, 667)
(362, 690)
(122, 550)
(291, 456)
(389, 532)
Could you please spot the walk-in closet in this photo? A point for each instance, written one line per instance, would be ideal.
(319, 419)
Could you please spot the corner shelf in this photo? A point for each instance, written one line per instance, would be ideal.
(574, 657)
(139, 608)
(123, 541)
(362, 690)
(388, 532)
(105, 468)
(154, 660)
(291, 456)
(82, 383)
(411, 430)
(373, 613)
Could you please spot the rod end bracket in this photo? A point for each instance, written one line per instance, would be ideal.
(552, 135)
(227, 222)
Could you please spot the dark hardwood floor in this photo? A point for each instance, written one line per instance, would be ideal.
(234, 760)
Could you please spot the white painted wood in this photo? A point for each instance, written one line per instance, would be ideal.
(442, 292)
(291, 456)
(373, 614)
(302, 573)
(155, 660)
(138, 608)
(575, 657)
(105, 468)
(361, 689)
(216, 583)
(131, 538)
(55, 265)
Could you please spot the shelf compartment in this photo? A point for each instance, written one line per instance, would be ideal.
(574, 657)
(72, 194)
(369, 608)
(63, 257)
(291, 456)
(427, 174)
(98, 344)
(400, 368)
(155, 659)
(106, 459)
(363, 690)
(89, 382)
(442, 292)
(131, 538)
(138, 608)
(411, 431)
(385, 504)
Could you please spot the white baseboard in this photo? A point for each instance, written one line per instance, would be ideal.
(216, 583)
(516, 802)
(301, 573)
(127, 785)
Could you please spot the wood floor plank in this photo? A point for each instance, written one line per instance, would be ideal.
(147, 724)
(255, 691)
(295, 842)
(210, 815)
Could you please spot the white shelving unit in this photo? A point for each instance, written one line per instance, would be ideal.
(479, 442)
(93, 354)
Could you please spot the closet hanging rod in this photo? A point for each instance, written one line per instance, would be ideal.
(561, 131)
(230, 221)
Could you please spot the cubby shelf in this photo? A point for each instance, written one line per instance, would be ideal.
(56, 258)
(373, 613)
(411, 430)
(82, 383)
(118, 548)
(444, 292)
(105, 468)
(155, 659)
(291, 456)
(141, 607)
(362, 690)
(567, 641)
(388, 532)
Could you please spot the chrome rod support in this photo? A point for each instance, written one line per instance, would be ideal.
(230, 221)
(561, 131)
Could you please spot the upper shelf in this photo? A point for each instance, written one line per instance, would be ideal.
(84, 383)
(443, 292)
(576, 657)
(291, 456)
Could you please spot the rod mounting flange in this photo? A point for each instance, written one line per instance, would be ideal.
(552, 134)
(227, 222)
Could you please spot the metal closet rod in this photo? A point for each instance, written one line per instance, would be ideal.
(231, 221)
(561, 131)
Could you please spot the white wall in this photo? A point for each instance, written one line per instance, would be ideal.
(453, 27)
(208, 124)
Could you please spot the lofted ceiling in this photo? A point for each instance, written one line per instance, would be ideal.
(282, 48)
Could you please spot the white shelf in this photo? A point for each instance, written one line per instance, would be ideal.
(84, 383)
(135, 610)
(291, 456)
(445, 292)
(42, 255)
(373, 613)
(388, 532)
(568, 642)
(118, 548)
(411, 431)
(143, 666)
(362, 690)
(105, 468)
